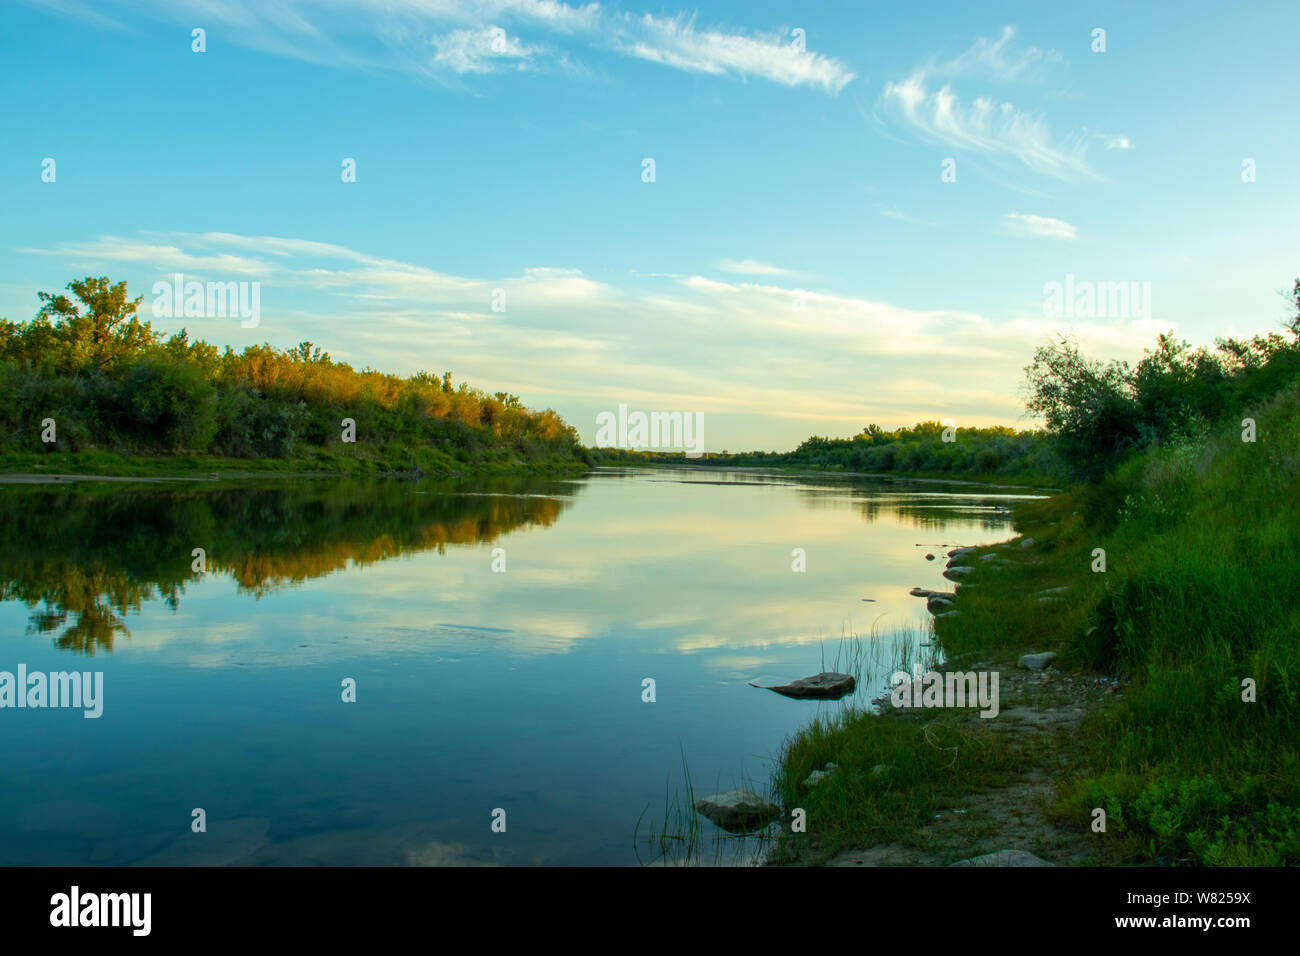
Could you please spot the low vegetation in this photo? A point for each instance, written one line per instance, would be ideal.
(87, 376)
(1175, 548)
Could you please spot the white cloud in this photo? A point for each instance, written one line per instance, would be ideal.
(575, 343)
(926, 102)
(346, 32)
(675, 42)
(994, 58)
(477, 51)
(1021, 224)
(984, 126)
(752, 267)
(1118, 142)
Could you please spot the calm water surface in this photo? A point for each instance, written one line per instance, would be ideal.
(476, 689)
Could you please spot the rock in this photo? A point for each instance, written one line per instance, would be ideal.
(1004, 858)
(947, 614)
(1060, 590)
(1027, 543)
(737, 811)
(929, 557)
(1036, 662)
(960, 552)
(989, 557)
(934, 603)
(824, 686)
(924, 592)
(817, 776)
(879, 770)
(954, 574)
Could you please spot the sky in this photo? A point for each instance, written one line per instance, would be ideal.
(855, 212)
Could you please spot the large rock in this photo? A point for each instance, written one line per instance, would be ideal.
(1036, 662)
(936, 604)
(959, 553)
(824, 686)
(738, 811)
(957, 573)
(1027, 543)
(1004, 858)
(988, 557)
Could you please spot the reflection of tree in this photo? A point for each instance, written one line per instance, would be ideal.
(92, 555)
(923, 507)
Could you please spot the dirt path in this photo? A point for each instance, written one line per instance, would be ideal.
(1044, 710)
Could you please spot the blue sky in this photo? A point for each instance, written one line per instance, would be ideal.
(499, 145)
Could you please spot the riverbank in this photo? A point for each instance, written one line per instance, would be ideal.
(1168, 714)
(1036, 483)
(27, 467)
(921, 786)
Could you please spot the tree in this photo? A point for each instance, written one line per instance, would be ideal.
(1294, 323)
(1089, 407)
(106, 330)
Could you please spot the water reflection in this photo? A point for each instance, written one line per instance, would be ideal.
(477, 689)
(83, 557)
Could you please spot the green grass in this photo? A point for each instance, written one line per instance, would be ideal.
(1197, 597)
(365, 460)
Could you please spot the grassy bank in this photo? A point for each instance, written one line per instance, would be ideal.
(305, 461)
(1194, 603)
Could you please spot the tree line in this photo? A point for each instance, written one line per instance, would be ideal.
(111, 382)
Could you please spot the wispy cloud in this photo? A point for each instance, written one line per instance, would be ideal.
(676, 42)
(926, 104)
(1021, 224)
(459, 37)
(480, 51)
(996, 59)
(751, 267)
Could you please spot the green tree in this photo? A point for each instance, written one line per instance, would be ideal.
(103, 328)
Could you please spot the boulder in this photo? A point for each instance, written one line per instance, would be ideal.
(824, 686)
(929, 557)
(934, 603)
(989, 557)
(958, 553)
(817, 776)
(1027, 543)
(957, 573)
(738, 811)
(1004, 858)
(1036, 662)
